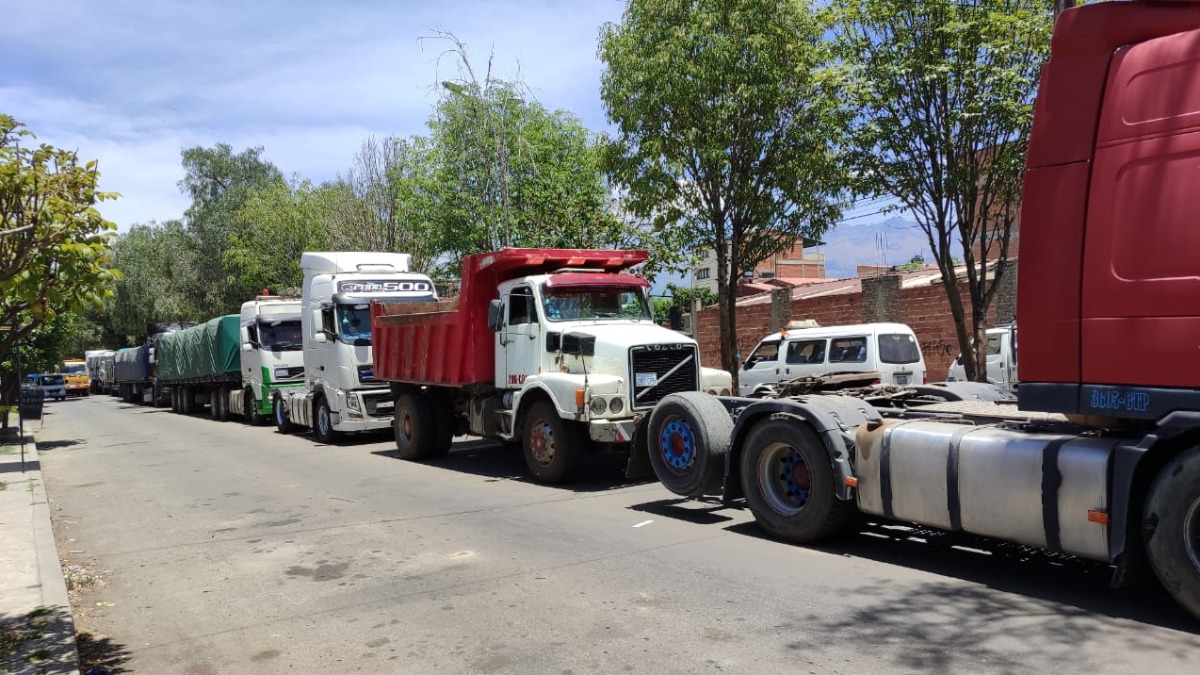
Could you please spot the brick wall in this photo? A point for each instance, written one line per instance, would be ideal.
(925, 309)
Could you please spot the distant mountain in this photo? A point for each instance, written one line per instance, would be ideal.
(889, 242)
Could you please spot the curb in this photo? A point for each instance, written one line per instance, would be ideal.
(58, 645)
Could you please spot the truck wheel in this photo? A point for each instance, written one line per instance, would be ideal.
(688, 436)
(1171, 529)
(551, 444)
(414, 427)
(279, 412)
(250, 414)
(157, 400)
(187, 400)
(174, 399)
(323, 423)
(214, 405)
(789, 482)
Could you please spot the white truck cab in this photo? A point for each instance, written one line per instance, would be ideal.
(340, 392)
(272, 355)
(804, 349)
(588, 339)
(1001, 359)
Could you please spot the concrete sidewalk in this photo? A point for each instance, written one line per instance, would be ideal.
(37, 633)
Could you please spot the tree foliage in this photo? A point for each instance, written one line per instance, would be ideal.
(508, 172)
(942, 95)
(277, 223)
(53, 240)
(219, 182)
(157, 263)
(727, 129)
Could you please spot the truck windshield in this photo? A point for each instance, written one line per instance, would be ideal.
(581, 304)
(280, 335)
(354, 323)
(73, 369)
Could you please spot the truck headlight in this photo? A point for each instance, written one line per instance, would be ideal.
(598, 406)
(616, 405)
(352, 403)
(281, 373)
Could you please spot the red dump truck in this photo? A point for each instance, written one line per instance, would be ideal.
(556, 349)
(1102, 458)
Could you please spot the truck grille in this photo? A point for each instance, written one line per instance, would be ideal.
(648, 364)
(379, 405)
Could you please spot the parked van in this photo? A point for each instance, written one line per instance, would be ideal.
(804, 350)
(53, 385)
(1001, 359)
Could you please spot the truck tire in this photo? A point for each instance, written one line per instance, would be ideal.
(688, 436)
(187, 400)
(414, 427)
(552, 445)
(279, 412)
(157, 400)
(789, 483)
(323, 423)
(250, 414)
(1171, 529)
(214, 405)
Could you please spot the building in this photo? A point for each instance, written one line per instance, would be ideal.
(793, 263)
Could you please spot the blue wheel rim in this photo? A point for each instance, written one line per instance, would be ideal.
(677, 445)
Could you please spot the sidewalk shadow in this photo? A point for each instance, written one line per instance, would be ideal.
(497, 461)
(41, 641)
(43, 446)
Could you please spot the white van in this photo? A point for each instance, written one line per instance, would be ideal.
(1001, 359)
(803, 351)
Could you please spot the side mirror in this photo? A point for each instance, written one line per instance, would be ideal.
(320, 338)
(496, 315)
(247, 347)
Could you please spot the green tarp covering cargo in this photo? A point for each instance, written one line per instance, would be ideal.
(205, 353)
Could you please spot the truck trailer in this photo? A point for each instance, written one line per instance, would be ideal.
(1101, 460)
(93, 359)
(340, 392)
(199, 366)
(555, 349)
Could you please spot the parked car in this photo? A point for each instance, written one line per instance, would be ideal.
(803, 349)
(53, 385)
(1001, 359)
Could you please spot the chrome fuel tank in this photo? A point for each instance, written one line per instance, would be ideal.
(1031, 488)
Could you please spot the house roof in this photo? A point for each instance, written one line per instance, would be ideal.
(813, 288)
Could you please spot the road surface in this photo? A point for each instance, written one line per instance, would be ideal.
(228, 549)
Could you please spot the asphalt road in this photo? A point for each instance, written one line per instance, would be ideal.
(229, 549)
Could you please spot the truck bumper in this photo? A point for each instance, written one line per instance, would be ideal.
(346, 421)
(611, 431)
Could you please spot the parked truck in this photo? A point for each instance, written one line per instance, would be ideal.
(75, 376)
(107, 374)
(1102, 458)
(554, 349)
(340, 392)
(198, 366)
(93, 359)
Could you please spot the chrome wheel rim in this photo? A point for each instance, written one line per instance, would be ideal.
(541, 443)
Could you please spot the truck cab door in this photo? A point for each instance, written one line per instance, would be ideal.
(518, 338)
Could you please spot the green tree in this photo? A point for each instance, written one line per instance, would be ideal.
(278, 223)
(53, 241)
(942, 95)
(218, 182)
(727, 130)
(157, 262)
(508, 172)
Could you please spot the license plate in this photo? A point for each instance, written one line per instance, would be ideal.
(645, 379)
(901, 379)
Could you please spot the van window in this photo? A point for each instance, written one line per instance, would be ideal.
(806, 351)
(898, 348)
(993, 346)
(848, 350)
(767, 352)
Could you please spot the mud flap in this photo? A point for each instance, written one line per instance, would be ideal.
(638, 466)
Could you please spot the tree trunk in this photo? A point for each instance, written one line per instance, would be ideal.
(726, 314)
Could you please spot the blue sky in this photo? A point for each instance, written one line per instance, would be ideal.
(132, 83)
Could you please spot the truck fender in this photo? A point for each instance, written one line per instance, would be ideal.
(526, 397)
(834, 418)
(638, 466)
(1134, 467)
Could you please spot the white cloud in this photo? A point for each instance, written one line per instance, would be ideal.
(133, 83)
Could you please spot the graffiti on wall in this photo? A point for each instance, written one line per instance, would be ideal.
(937, 347)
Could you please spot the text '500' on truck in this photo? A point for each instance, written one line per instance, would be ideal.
(1102, 459)
(340, 391)
(555, 348)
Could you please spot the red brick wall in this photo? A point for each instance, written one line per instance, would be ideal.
(924, 309)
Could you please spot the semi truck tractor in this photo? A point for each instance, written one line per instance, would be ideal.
(555, 349)
(1101, 457)
(340, 392)
(134, 371)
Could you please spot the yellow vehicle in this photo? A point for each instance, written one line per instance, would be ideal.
(75, 373)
